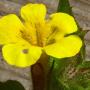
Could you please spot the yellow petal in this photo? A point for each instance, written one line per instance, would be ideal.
(33, 12)
(68, 47)
(63, 22)
(10, 27)
(21, 55)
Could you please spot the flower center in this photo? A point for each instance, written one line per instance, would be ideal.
(40, 34)
(34, 34)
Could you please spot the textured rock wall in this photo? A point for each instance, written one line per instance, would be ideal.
(81, 9)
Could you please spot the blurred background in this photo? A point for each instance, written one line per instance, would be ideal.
(81, 10)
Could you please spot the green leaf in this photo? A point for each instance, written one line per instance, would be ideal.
(85, 65)
(62, 70)
(55, 76)
(64, 6)
(75, 86)
(11, 85)
(88, 88)
(80, 78)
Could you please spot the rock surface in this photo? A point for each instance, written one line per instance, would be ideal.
(81, 10)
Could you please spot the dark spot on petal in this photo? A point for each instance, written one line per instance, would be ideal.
(51, 41)
(25, 51)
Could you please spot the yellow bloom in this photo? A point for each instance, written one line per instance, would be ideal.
(24, 42)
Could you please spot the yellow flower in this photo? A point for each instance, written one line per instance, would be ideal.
(24, 42)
